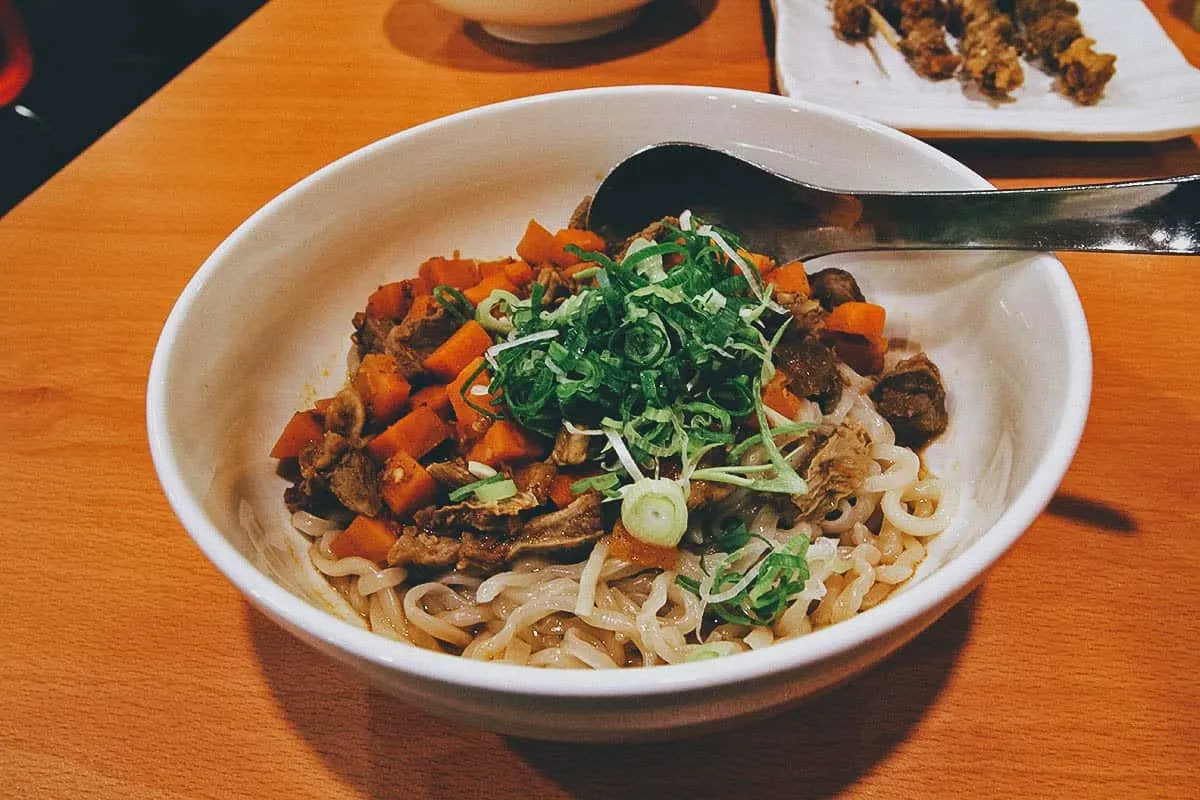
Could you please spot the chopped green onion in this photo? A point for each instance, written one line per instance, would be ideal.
(704, 652)
(601, 483)
(490, 322)
(454, 301)
(463, 492)
(497, 490)
(793, 429)
(655, 511)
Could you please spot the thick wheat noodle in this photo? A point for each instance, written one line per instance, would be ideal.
(588, 578)
(419, 617)
(903, 470)
(759, 638)
(927, 489)
(589, 654)
(849, 600)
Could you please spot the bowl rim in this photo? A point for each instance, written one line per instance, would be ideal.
(950, 582)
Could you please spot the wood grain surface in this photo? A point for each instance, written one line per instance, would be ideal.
(129, 668)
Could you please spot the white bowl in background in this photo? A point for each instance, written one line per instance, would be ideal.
(262, 329)
(547, 21)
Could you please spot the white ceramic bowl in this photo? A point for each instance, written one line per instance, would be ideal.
(262, 329)
(547, 21)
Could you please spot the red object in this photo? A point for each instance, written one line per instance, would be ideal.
(16, 56)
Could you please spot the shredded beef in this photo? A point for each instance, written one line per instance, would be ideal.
(503, 516)
(569, 528)
(423, 549)
(451, 474)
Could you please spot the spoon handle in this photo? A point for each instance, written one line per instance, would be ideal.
(1154, 216)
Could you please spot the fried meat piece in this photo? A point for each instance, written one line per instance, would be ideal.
(1052, 32)
(987, 44)
(852, 19)
(1083, 72)
(922, 26)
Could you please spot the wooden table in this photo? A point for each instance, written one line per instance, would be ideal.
(129, 668)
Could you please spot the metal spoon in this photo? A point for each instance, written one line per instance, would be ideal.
(795, 220)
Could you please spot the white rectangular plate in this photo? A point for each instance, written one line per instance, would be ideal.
(1155, 94)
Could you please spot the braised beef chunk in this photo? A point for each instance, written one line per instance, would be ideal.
(569, 448)
(424, 328)
(319, 461)
(503, 516)
(408, 360)
(536, 478)
(321, 455)
(346, 414)
(370, 333)
(451, 474)
(911, 397)
(423, 549)
(811, 369)
(704, 493)
(355, 482)
(833, 286)
(566, 529)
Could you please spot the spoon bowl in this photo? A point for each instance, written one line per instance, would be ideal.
(795, 220)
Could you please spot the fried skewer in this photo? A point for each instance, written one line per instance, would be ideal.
(1053, 33)
(853, 19)
(922, 26)
(988, 46)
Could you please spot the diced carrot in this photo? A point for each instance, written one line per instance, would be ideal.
(560, 489)
(457, 272)
(507, 442)
(382, 387)
(435, 399)
(763, 263)
(777, 396)
(302, 428)
(519, 273)
(416, 433)
(536, 245)
(497, 280)
(584, 240)
(863, 355)
(865, 319)
(365, 537)
(405, 485)
(470, 423)
(497, 267)
(516, 270)
(625, 546)
(464, 346)
(392, 300)
(792, 278)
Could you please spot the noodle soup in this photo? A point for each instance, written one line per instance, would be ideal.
(608, 454)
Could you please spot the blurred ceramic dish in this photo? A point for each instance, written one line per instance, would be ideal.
(1007, 331)
(1154, 95)
(547, 21)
